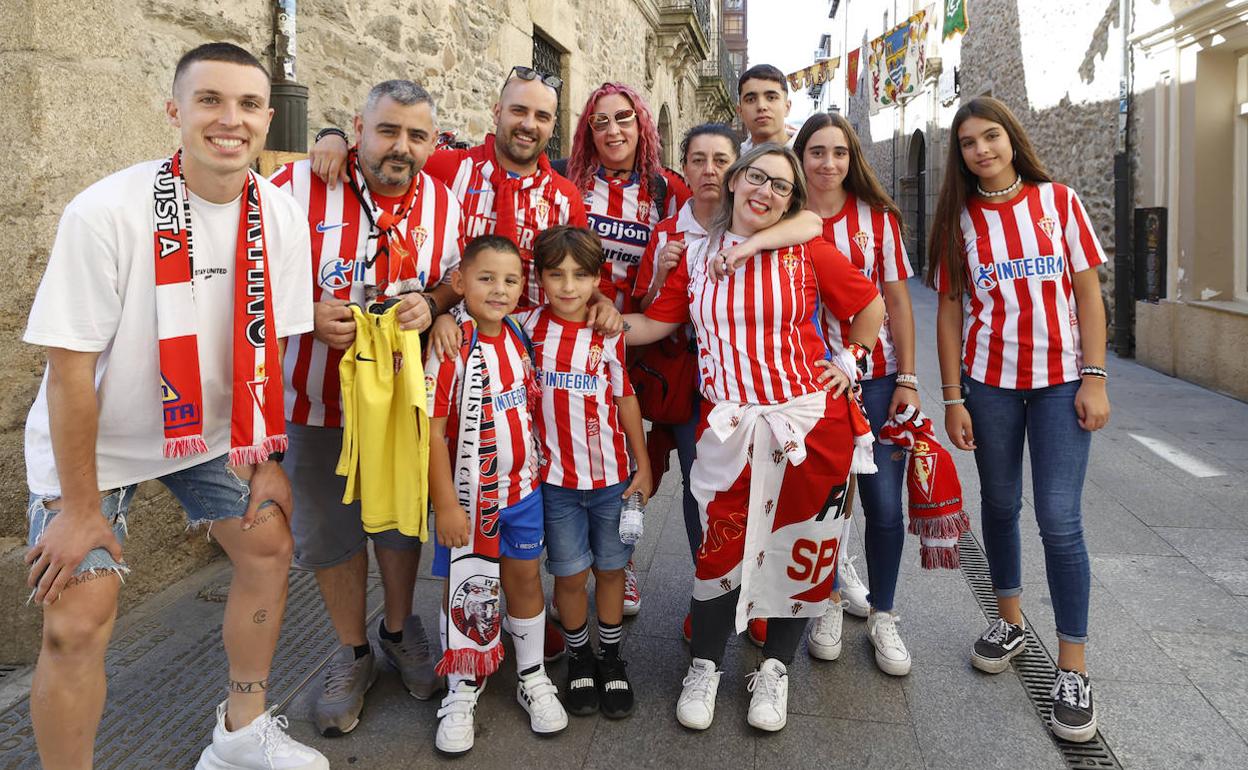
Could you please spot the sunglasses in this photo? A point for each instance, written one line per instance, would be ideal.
(528, 73)
(601, 121)
(758, 178)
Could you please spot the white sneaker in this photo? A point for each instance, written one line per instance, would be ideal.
(696, 707)
(455, 718)
(632, 594)
(891, 654)
(769, 708)
(823, 641)
(263, 745)
(852, 589)
(540, 698)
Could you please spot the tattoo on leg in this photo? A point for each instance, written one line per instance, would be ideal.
(87, 577)
(260, 616)
(266, 514)
(247, 687)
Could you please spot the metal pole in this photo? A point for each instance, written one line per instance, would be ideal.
(1124, 264)
(289, 130)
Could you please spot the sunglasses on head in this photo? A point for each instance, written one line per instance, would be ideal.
(528, 73)
(601, 121)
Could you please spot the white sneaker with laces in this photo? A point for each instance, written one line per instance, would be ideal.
(891, 654)
(823, 640)
(540, 699)
(263, 745)
(456, 730)
(696, 707)
(852, 589)
(769, 707)
(632, 594)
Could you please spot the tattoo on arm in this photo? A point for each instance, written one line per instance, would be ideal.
(260, 616)
(247, 687)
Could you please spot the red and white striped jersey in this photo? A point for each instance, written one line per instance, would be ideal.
(623, 214)
(757, 342)
(505, 359)
(341, 251)
(543, 200)
(581, 373)
(1021, 329)
(677, 228)
(872, 241)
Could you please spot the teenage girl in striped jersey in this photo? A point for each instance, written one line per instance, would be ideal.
(1021, 337)
(770, 531)
(861, 220)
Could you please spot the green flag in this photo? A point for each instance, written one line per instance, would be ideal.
(955, 18)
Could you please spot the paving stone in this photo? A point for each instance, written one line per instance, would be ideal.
(1230, 701)
(1170, 594)
(812, 742)
(1220, 553)
(848, 688)
(1208, 659)
(1165, 726)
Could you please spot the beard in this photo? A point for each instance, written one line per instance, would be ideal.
(518, 154)
(378, 168)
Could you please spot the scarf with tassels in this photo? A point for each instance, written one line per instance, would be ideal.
(392, 268)
(257, 426)
(936, 513)
(513, 193)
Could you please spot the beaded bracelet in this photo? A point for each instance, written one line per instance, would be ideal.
(330, 130)
(907, 379)
(953, 401)
(1094, 371)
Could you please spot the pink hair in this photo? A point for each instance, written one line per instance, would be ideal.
(583, 163)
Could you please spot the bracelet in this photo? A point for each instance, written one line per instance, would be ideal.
(330, 131)
(1094, 371)
(907, 386)
(907, 379)
(959, 387)
(953, 402)
(433, 304)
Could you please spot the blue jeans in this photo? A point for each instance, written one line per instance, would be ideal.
(583, 529)
(881, 499)
(1001, 418)
(686, 443)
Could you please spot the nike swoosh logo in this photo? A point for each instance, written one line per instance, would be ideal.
(476, 192)
(359, 357)
(321, 227)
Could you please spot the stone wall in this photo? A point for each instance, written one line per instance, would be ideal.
(86, 82)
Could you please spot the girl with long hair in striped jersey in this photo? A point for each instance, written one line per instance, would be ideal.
(1021, 336)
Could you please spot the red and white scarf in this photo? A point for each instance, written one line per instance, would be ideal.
(393, 265)
(474, 594)
(257, 426)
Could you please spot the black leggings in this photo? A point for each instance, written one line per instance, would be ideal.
(713, 623)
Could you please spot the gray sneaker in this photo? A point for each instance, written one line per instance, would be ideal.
(337, 711)
(413, 659)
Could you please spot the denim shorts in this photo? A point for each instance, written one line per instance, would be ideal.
(583, 529)
(208, 492)
(519, 533)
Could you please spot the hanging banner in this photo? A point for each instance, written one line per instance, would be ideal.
(816, 74)
(896, 61)
(956, 21)
(851, 71)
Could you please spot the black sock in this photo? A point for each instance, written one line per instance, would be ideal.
(361, 650)
(530, 670)
(609, 635)
(389, 636)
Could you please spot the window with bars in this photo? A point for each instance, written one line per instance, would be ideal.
(547, 60)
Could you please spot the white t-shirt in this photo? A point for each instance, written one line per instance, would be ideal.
(748, 144)
(98, 294)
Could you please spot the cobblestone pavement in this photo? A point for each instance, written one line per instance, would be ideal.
(1166, 510)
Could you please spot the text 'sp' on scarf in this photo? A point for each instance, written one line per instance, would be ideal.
(257, 425)
(936, 512)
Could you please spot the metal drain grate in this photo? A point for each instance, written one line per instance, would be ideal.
(1034, 666)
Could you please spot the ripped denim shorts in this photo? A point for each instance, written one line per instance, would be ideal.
(208, 492)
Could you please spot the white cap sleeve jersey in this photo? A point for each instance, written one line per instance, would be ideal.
(872, 241)
(1021, 329)
(98, 294)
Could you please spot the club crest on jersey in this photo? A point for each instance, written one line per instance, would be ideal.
(595, 357)
(924, 468)
(863, 239)
(1047, 225)
(474, 608)
(643, 211)
(418, 235)
(542, 207)
(790, 260)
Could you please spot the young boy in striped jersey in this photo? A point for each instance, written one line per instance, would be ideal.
(590, 420)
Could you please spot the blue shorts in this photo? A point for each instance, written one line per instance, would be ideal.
(208, 492)
(583, 529)
(519, 530)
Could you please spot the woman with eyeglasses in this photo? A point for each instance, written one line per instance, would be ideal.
(775, 449)
(861, 220)
(1020, 331)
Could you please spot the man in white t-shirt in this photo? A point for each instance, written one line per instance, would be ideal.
(166, 291)
(763, 105)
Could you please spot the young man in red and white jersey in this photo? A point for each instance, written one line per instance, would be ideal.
(166, 294)
(763, 105)
(391, 232)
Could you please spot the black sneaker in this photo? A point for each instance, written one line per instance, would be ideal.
(1073, 718)
(1000, 643)
(581, 695)
(615, 693)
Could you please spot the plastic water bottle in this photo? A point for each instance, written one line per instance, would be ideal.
(631, 515)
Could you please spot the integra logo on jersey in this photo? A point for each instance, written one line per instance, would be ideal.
(1046, 268)
(339, 273)
(510, 399)
(573, 381)
(620, 231)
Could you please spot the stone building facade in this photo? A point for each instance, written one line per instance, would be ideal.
(84, 92)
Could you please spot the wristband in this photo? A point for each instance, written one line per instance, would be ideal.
(1094, 371)
(942, 387)
(907, 386)
(330, 131)
(953, 401)
(908, 379)
(277, 457)
(433, 304)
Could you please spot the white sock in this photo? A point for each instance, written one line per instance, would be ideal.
(529, 637)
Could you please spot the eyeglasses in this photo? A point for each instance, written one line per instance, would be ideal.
(528, 73)
(601, 121)
(756, 177)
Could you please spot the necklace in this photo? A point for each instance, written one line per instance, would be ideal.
(1018, 182)
(616, 171)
